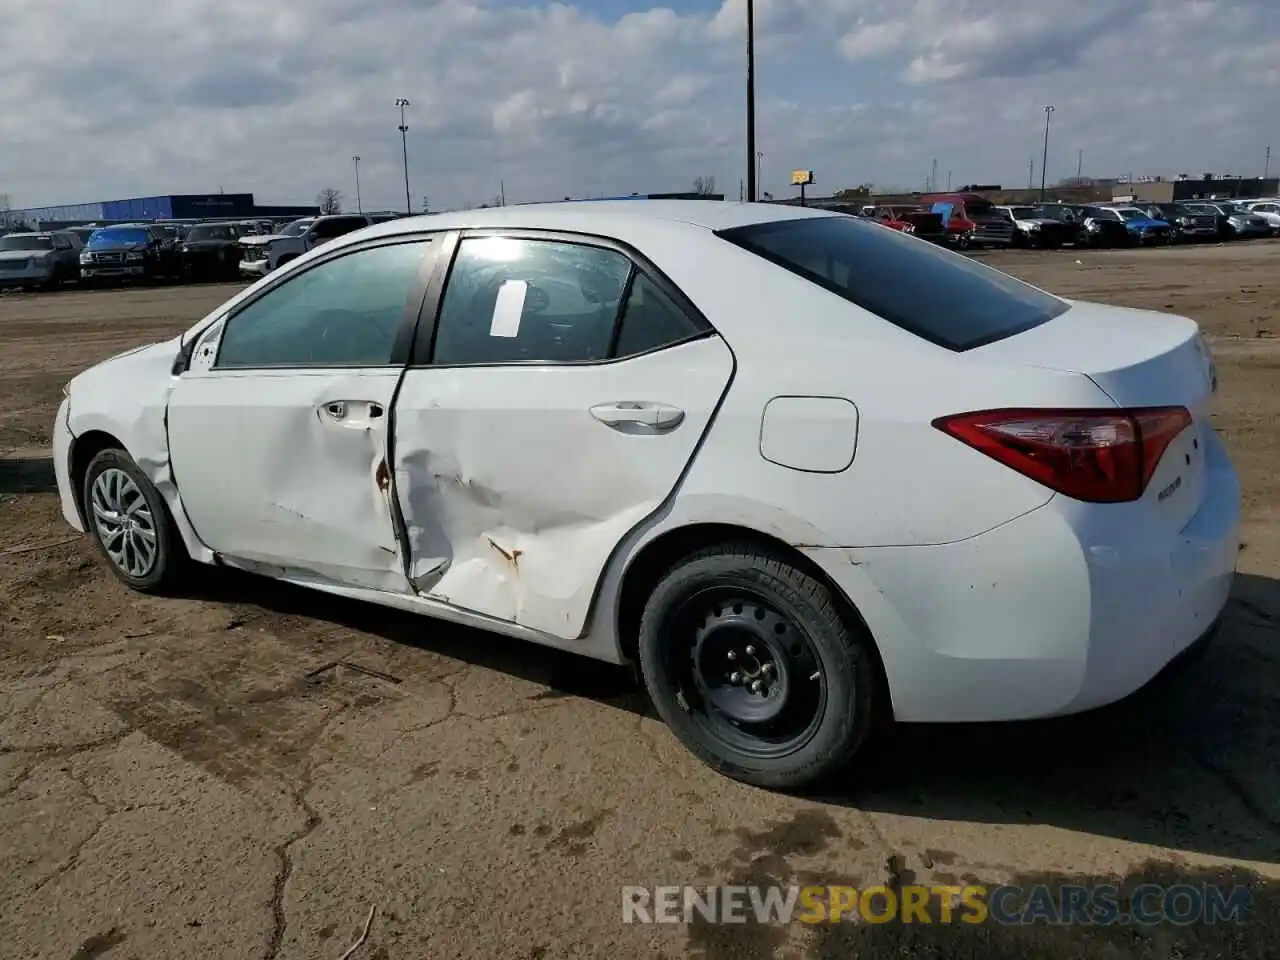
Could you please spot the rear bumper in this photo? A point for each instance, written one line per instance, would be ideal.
(1059, 611)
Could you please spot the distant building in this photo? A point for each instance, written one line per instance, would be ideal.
(231, 206)
(1201, 188)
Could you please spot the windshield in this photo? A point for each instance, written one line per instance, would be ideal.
(940, 296)
(1023, 213)
(111, 236)
(295, 229)
(1132, 215)
(211, 233)
(26, 243)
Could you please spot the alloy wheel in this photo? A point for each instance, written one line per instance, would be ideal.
(124, 522)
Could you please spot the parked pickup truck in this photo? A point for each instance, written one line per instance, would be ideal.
(1032, 228)
(264, 254)
(921, 223)
(970, 220)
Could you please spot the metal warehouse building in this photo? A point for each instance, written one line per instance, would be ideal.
(171, 207)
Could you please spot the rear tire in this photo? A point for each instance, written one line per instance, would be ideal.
(131, 524)
(750, 663)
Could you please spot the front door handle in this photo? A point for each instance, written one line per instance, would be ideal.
(336, 410)
(638, 416)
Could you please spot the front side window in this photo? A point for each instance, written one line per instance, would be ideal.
(345, 312)
(514, 300)
(943, 297)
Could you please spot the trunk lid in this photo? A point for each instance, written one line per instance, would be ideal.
(1139, 358)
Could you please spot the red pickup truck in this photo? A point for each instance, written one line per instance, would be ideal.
(970, 220)
(923, 223)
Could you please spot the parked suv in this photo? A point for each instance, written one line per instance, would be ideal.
(211, 251)
(1104, 227)
(264, 254)
(1268, 210)
(129, 252)
(39, 259)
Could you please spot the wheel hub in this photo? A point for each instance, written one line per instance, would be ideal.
(740, 663)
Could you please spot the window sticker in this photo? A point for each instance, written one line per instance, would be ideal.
(508, 309)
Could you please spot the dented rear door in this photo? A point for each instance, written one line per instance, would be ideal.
(519, 463)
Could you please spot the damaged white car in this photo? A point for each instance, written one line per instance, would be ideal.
(805, 471)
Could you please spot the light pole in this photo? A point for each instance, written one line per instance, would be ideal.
(401, 102)
(760, 171)
(359, 205)
(752, 195)
(1044, 161)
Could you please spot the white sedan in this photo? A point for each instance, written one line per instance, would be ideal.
(804, 471)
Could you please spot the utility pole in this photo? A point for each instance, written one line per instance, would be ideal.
(1266, 166)
(1079, 163)
(740, 190)
(1044, 163)
(502, 193)
(752, 194)
(1031, 173)
(359, 205)
(933, 177)
(759, 171)
(948, 181)
(401, 102)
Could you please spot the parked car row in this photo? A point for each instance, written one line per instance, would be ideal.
(1141, 223)
(165, 250)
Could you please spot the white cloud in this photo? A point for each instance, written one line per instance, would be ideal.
(134, 97)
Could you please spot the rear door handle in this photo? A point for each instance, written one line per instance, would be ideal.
(351, 413)
(638, 416)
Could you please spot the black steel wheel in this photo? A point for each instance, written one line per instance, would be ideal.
(750, 662)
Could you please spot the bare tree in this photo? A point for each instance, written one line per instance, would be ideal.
(329, 200)
(704, 186)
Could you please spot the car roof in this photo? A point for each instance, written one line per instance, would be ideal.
(604, 217)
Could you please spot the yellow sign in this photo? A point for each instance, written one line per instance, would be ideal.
(801, 178)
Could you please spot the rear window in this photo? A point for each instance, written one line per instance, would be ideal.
(943, 297)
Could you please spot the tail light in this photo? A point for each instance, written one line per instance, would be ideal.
(1099, 456)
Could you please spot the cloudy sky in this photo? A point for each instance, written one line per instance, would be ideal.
(136, 97)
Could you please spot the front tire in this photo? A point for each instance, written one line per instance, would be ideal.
(750, 663)
(130, 523)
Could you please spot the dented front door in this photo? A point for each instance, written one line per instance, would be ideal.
(286, 472)
(278, 428)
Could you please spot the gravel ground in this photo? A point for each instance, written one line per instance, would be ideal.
(246, 771)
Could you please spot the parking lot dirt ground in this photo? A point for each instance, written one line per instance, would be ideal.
(247, 771)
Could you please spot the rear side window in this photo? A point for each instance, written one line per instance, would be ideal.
(943, 297)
